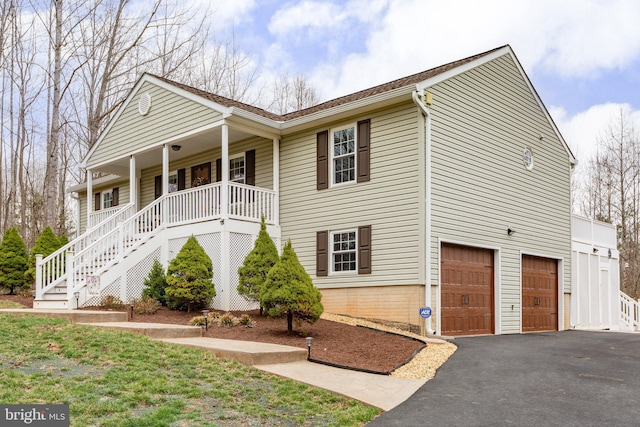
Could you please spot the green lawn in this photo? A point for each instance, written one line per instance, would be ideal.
(119, 379)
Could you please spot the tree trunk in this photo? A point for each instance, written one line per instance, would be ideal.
(290, 322)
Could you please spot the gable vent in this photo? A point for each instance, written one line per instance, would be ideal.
(144, 104)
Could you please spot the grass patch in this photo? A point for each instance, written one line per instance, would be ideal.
(10, 304)
(112, 378)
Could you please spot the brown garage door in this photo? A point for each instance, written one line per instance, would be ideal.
(467, 290)
(539, 294)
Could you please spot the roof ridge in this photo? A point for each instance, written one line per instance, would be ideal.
(381, 88)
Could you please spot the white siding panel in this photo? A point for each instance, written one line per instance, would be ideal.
(482, 122)
(170, 115)
(388, 202)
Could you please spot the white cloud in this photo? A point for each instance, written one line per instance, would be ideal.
(569, 38)
(583, 130)
(311, 17)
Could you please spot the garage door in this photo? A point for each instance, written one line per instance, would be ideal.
(467, 290)
(539, 294)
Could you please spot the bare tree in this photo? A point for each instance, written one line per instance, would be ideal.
(292, 94)
(613, 194)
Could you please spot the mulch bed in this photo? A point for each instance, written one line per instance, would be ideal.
(333, 342)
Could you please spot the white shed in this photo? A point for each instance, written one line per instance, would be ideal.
(595, 289)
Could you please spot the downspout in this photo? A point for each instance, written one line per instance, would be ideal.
(418, 100)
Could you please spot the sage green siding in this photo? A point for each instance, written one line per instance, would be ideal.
(170, 115)
(389, 202)
(124, 194)
(482, 122)
(264, 166)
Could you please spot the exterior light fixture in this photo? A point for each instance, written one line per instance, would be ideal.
(510, 231)
(309, 341)
(205, 314)
(132, 302)
(609, 254)
(77, 297)
(176, 147)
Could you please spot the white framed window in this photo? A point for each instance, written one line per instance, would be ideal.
(343, 155)
(173, 181)
(237, 171)
(107, 199)
(344, 251)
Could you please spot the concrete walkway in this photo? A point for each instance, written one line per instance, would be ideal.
(381, 391)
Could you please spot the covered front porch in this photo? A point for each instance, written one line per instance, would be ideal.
(190, 179)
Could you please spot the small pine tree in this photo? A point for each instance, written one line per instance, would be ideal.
(156, 283)
(45, 245)
(189, 275)
(13, 261)
(257, 264)
(63, 240)
(289, 290)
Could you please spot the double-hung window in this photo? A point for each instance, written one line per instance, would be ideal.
(237, 169)
(173, 182)
(343, 251)
(343, 155)
(107, 199)
(343, 151)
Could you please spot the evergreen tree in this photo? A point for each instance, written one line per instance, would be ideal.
(13, 261)
(45, 245)
(189, 278)
(63, 240)
(289, 290)
(156, 283)
(257, 264)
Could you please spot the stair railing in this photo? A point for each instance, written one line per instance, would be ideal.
(51, 270)
(629, 312)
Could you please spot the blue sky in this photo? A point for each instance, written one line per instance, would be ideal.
(583, 56)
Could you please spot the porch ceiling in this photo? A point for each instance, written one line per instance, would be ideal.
(189, 146)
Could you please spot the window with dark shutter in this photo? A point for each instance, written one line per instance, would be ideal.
(157, 186)
(116, 197)
(322, 253)
(250, 167)
(96, 202)
(322, 162)
(182, 179)
(364, 138)
(364, 249)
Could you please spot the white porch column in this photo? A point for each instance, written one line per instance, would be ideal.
(89, 197)
(224, 193)
(133, 187)
(165, 169)
(276, 180)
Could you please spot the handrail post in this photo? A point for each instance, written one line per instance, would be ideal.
(120, 238)
(70, 278)
(39, 268)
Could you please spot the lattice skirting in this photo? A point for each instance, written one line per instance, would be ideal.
(227, 298)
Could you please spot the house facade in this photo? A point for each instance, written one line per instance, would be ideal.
(447, 189)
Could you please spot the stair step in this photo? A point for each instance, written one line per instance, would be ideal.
(48, 304)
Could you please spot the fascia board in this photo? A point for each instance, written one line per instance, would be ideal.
(349, 108)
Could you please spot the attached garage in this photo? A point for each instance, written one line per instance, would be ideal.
(467, 294)
(539, 294)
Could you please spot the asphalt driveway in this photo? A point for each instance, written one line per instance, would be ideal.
(570, 378)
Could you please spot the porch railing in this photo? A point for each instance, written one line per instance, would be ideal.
(52, 270)
(97, 217)
(110, 240)
(629, 314)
